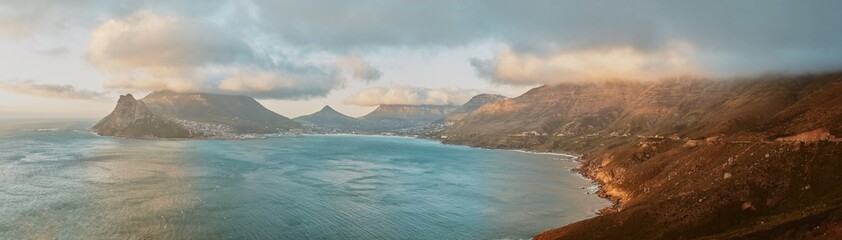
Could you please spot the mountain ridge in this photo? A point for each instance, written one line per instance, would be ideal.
(685, 158)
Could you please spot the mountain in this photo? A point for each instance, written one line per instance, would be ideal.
(425, 113)
(475, 103)
(132, 118)
(754, 158)
(190, 115)
(395, 117)
(330, 120)
(408, 119)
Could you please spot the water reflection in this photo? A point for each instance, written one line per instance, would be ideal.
(80, 186)
(142, 192)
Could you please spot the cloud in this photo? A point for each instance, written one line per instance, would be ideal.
(728, 38)
(30, 87)
(357, 68)
(748, 37)
(150, 51)
(516, 68)
(26, 18)
(55, 51)
(412, 96)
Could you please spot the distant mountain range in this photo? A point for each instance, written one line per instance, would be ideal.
(401, 119)
(166, 114)
(408, 119)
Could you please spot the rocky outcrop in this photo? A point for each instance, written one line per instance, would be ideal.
(686, 158)
(166, 114)
(131, 118)
(821, 134)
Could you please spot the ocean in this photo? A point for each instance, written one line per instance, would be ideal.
(59, 180)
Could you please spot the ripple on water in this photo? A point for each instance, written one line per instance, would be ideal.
(70, 184)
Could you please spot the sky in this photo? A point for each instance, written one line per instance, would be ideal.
(74, 58)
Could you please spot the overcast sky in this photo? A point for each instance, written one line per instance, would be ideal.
(73, 58)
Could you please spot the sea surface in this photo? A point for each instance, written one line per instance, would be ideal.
(58, 180)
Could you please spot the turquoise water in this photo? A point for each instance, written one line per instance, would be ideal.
(58, 180)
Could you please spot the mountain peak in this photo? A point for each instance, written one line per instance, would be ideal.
(127, 97)
(329, 118)
(326, 111)
(327, 108)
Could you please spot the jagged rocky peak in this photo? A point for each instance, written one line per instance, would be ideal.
(128, 109)
(132, 118)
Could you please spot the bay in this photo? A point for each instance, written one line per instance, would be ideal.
(58, 180)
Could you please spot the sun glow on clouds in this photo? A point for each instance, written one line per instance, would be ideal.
(150, 51)
(412, 96)
(511, 67)
(30, 87)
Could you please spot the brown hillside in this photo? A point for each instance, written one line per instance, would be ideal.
(686, 158)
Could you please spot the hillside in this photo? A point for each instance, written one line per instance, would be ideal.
(242, 113)
(166, 114)
(473, 104)
(687, 158)
(395, 117)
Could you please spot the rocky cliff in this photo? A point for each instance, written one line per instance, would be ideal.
(132, 118)
(687, 158)
(166, 114)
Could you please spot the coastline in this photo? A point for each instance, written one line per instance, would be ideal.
(580, 171)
